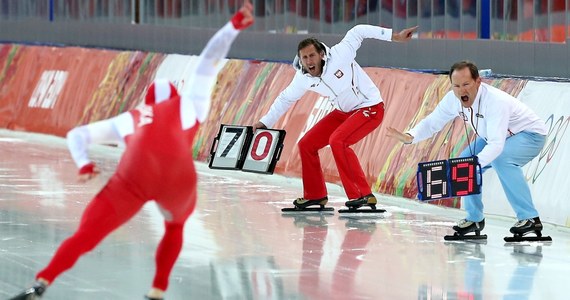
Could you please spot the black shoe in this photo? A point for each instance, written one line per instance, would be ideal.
(523, 227)
(464, 226)
(34, 292)
(149, 298)
(304, 203)
(369, 200)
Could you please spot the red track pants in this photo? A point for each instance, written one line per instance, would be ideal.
(113, 206)
(340, 130)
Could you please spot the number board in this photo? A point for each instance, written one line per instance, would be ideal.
(229, 147)
(432, 180)
(449, 178)
(465, 176)
(264, 151)
(238, 148)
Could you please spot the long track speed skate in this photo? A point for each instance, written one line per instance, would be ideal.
(308, 209)
(355, 206)
(463, 231)
(34, 292)
(522, 228)
(302, 205)
(522, 238)
(463, 237)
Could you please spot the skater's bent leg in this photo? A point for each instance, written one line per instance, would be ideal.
(315, 139)
(517, 190)
(354, 129)
(474, 207)
(98, 220)
(167, 254)
(518, 151)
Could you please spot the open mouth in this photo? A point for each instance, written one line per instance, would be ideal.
(311, 68)
(465, 98)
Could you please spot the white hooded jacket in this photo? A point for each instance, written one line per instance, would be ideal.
(342, 80)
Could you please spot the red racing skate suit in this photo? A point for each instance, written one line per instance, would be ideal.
(157, 165)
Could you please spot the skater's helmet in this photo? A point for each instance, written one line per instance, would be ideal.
(160, 90)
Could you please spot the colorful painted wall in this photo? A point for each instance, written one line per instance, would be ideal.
(51, 90)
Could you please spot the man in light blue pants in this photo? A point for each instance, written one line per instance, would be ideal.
(518, 151)
(508, 136)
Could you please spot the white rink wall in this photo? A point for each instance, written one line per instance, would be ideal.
(547, 174)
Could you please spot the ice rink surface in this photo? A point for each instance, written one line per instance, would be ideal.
(238, 244)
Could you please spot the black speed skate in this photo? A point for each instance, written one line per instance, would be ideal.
(32, 293)
(528, 226)
(368, 200)
(302, 204)
(464, 227)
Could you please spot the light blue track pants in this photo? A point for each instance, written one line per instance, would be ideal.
(518, 151)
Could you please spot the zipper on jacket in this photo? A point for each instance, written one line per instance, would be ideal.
(335, 95)
(355, 88)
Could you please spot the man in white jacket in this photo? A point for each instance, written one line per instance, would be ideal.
(359, 109)
(509, 135)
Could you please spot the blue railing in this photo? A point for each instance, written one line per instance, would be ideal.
(522, 20)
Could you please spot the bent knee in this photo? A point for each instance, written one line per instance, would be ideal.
(307, 144)
(337, 141)
(500, 163)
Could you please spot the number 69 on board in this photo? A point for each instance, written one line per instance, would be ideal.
(449, 178)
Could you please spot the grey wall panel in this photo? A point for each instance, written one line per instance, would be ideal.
(504, 57)
(525, 58)
(501, 56)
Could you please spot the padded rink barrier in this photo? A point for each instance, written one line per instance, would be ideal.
(53, 89)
